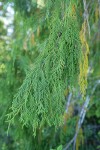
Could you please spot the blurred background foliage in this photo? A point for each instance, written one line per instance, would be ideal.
(23, 32)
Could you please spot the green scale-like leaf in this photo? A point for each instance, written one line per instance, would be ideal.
(40, 100)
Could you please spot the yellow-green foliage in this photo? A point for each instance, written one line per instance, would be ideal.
(80, 139)
(84, 60)
(40, 100)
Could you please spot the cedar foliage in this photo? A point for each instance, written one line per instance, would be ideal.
(14, 61)
(40, 100)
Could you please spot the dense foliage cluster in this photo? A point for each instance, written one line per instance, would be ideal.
(41, 98)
